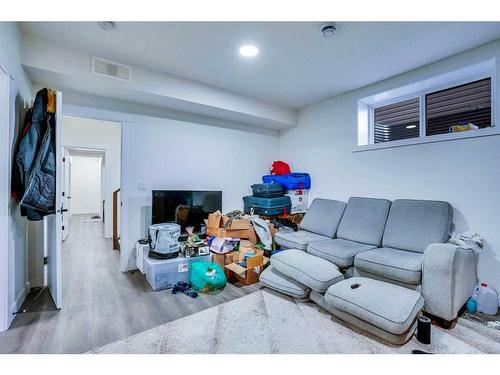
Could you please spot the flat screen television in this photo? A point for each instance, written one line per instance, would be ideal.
(185, 207)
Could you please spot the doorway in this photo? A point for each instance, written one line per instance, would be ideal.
(84, 185)
(84, 140)
(89, 173)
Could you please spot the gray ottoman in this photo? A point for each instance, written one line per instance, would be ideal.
(309, 270)
(281, 283)
(385, 310)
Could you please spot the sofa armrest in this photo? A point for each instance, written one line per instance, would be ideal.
(448, 279)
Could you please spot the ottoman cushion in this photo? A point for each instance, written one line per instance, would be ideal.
(316, 273)
(296, 240)
(338, 251)
(386, 306)
(281, 283)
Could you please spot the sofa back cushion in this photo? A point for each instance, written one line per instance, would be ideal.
(414, 224)
(323, 217)
(364, 220)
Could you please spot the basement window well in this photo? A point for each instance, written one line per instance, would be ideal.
(455, 105)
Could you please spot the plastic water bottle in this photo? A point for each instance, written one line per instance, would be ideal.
(487, 300)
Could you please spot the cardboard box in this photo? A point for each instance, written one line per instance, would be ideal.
(240, 228)
(224, 259)
(248, 273)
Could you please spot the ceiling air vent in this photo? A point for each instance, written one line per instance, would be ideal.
(111, 69)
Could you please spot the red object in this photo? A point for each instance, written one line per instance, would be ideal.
(280, 168)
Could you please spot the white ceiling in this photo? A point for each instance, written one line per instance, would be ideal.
(296, 66)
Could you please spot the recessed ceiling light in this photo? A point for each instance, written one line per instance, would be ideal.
(411, 126)
(106, 25)
(249, 50)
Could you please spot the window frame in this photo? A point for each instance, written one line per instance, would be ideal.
(427, 86)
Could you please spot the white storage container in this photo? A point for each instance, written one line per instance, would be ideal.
(164, 274)
(487, 299)
(141, 250)
(299, 200)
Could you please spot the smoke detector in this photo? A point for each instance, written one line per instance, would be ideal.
(106, 25)
(327, 31)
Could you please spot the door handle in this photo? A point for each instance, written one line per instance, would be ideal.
(61, 210)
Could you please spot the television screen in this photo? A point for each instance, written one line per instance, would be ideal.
(184, 207)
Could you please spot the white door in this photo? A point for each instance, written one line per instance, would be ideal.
(5, 280)
(65, 170)
(54, 222)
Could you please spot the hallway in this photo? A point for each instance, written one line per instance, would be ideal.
(100, 303)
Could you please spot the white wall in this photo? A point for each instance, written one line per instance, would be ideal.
(464, 172)
(97, 134)
(20, 97)
(86, 185)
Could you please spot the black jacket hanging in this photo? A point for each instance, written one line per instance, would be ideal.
(33, 173)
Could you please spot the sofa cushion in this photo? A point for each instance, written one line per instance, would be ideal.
(323, 217)
(316, 273)
(364, 220)
(296, 240)
(338, 251)
(400, 265)
(274, 279)
(383, 305)
(415, 224)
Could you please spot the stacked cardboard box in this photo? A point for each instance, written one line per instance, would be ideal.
(238, 265)
(217, 226)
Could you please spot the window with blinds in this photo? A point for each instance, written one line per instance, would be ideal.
(461, 105)
(397, 121)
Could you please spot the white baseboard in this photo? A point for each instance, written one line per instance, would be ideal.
(18, 303)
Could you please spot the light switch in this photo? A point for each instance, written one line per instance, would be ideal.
(141, 186)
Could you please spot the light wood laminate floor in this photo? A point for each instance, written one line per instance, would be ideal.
(100, 303)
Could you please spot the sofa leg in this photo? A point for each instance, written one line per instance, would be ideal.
(446, 324)
(443, 323)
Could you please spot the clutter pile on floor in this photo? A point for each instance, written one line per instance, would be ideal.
(233, 247)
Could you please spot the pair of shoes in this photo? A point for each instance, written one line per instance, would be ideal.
(182, 287)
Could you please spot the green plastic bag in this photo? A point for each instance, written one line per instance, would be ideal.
(207, 276)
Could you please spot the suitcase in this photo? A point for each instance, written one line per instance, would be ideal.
(291, 181)
(267, 190)
(267, 206)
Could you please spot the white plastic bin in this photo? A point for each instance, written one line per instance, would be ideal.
(164, 274)
(299, 200)
(141, 250)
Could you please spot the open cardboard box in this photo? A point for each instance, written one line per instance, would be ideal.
(239, 228)
(249, 274)
(224, 259)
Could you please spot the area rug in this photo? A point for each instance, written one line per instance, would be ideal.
(268, 322)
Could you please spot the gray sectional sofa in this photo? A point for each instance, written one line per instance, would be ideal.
(376, 263)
